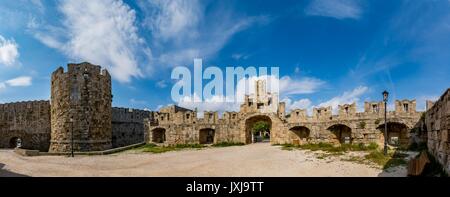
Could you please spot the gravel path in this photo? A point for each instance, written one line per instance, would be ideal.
(256, 160)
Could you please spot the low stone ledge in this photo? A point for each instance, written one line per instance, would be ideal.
(25, 152)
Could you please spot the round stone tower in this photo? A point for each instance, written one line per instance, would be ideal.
(81, 104)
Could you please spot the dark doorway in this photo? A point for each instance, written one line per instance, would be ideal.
(342, 132)
(159, 135)
(301, 132)
(13, 142)
(397, 133)
(206, 136)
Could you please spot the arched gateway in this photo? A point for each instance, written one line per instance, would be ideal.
(254, 128)
(252, 132)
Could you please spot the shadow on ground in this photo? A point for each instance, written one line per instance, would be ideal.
(7, 173)
(396, 165)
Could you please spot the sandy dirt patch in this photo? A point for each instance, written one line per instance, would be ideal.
(255, 160)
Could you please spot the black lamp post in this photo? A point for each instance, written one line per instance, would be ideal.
(385, 98)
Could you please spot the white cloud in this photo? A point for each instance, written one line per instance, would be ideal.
(19, 81)
(22, 81)
(39, 5)
(8, 51)
(339, 9)
(170, 19)
(347, 97)
(216, 103)
(240, 56)
(161, 84)
(289, 86)
(183, 29)
(421, 101)
(103, 33)
(297, 70)
(298, 104)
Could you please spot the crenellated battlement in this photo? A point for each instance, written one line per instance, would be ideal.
(120, 114)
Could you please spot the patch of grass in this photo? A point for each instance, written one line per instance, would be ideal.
(333, 149)
(181, 146)
(386, 161)
(153, 148)
(287, 148)
(355, 159)
(225, 144)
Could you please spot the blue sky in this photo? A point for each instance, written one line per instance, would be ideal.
(330, 52)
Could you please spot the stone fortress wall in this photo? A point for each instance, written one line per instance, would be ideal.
(81, 101)
(81, 105)
(82, 94)
(29, 121)
(437, 125)
(128, 126)
(175, 125)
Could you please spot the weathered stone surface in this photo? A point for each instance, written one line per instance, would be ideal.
(29, 121)
(437, 122)
(81, 103)
(179, 125)
(128, 126)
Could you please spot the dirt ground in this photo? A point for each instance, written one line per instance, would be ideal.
(255, 160)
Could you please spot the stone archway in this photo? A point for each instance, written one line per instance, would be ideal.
(342, 132)
(206, 136)
(300, 133)
(249, 127)
(13, 142)
(159, 135)
(397, 133)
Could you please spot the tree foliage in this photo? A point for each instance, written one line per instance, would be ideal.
(261, 126)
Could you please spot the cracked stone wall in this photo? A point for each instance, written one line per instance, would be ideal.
(29, 121)
(437, 121)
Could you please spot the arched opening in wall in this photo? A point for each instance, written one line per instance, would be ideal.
(13, 142)
(257, 129)
(159, 135)
(342, 132)
(301, 132)
(206, 136)
(397, 134)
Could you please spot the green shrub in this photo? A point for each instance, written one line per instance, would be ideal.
(386, 161)
(362, 125)
(372, 146)
(189, 146)
(225, 144)
(377, 121)
(153, 148)
(332, 148)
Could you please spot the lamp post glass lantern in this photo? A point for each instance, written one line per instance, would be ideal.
(385, 99)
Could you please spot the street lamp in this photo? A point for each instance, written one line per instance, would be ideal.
(71, 136)
(385, 98)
